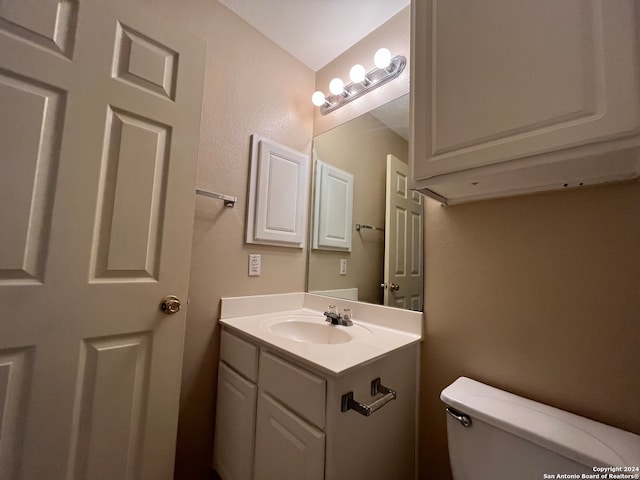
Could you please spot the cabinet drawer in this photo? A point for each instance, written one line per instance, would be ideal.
(239, 354)
(301, 391)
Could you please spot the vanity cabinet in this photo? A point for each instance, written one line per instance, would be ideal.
(268, 424)
(284, 420)
(516, 97)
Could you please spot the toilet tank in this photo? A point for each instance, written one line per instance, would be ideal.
(511, 437)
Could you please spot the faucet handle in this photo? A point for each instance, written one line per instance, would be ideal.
(336, 318)
(332, 315)
(346, 317)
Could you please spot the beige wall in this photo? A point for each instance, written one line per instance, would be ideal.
(394, 35)
(359, 147)
(251, 86)
(537, 295)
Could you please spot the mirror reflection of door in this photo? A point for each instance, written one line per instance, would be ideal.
(403, 240)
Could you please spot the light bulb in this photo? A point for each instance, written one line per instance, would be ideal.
(336, 86)
(357, 73)
(382, 58)
(318, 98)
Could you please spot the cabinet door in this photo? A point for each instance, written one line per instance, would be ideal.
(499, 80)
(235, 425)
(279, 178)
(333, 208)
(287, 447)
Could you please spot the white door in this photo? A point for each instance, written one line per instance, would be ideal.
(403, 285)
(99, 123)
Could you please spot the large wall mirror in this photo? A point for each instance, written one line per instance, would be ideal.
(366, 228)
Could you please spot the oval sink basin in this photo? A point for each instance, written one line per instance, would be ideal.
(316, 331)
(308, 332)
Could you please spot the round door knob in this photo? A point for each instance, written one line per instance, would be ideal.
(383, 285)
(394, 287)
(170, 304)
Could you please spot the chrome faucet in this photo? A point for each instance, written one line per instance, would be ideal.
(336, 318)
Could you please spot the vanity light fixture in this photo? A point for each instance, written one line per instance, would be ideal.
(387, 69)
(336, 87)
(358, 74)
(318, 99)
(382, 58)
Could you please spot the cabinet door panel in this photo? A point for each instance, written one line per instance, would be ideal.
(333, 208)
(499, 80)
(279, 178)
(287, 447)
(235, 425)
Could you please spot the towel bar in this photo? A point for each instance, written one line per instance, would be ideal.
(229, 201)
(360, 226)
(348, 403)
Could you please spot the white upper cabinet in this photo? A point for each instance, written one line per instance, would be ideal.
(333, 208)
(277, 213)
(515, 97)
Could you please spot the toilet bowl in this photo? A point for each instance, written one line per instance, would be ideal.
(495, 435)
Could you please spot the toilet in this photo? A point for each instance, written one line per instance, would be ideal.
(495, 435)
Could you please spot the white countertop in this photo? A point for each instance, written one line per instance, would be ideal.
(371, 340)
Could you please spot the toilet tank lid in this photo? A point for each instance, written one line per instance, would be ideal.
(586, 441)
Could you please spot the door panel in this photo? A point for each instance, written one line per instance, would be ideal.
(50, 24)
(96, 203)
(108, 441)
(281, 193)
(128, 235)
(144, 62)
(31, 142)
(400, 264)
(15, 375)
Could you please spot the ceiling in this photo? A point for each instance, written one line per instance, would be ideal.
(315, 31)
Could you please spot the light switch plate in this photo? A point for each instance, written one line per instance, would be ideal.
(343, 266)
(254, 265)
